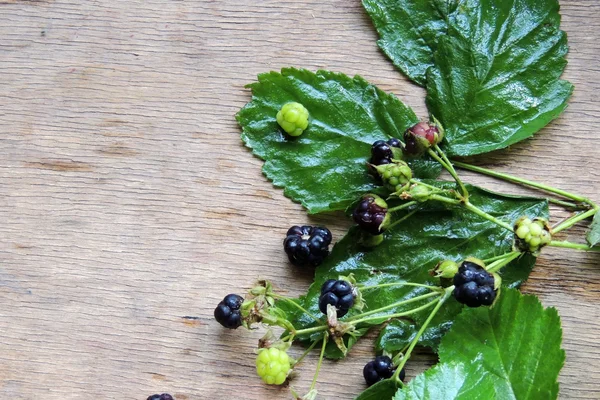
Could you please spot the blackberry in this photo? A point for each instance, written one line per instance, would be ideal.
(227, 312)
(293, 118)
(382, 152)
(395, 143)
(307, 245)
(474, 286)
(338, 293)
(379, 369)
(273, 365)
(418, 138)
(164, 396)
(371, 214)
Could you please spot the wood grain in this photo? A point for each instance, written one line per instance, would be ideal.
(130, 207)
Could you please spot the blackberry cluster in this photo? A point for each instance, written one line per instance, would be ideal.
(381, 151)
(307, 245)
(227, 312)
(371, 214)
(339, 294)
(379, 369)
(474, 286)
(164, 396)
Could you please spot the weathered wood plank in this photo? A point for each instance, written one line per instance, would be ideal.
(128, 202)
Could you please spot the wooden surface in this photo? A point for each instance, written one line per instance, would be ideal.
(128, 202)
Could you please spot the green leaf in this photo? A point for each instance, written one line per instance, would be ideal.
(496, 75)
(409, 31)
(593, 235)
(449, 381)
(325, 168)
(517, 343)
(394, 336)
(384, 389)
(413, 248)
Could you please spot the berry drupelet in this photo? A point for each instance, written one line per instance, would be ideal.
(474, 286)
(339, 294)
(227, 312)
(273, 365)
(307, 245)
(379, 369)
(164, 396)
(371, 214)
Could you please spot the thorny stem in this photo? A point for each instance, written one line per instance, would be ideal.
(573, 220)
(396, 315)
(298, 306)
(440, 301)
(396, 304)
(402, 206)
(312, 346)
(384, 285)
(314, 382)
(567, 204)
(499, 264)
(571, 245)
(447, 164)
(526, 182)
(487, 216)
(476, 210)
(407, 216)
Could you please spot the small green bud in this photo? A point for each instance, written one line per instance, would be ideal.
(445, 269)
(293, 118)
(419, 193)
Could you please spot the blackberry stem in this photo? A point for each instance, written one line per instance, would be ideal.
(402, 206)
(308, 350)
(573, 220)
(407, 216)
(384, 285)
(447, 164)
(501, 263)
(571, 245)
(476, 210)
(396, 315)
(298, 306)
(314, 381)
(390, 306)
(526, 182)
(440, 301)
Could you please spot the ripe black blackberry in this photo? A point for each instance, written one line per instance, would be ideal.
(164, 396)
(227, 312)
(307, 245)
(379, 369)
(371, 214)
(338, 293)
(474, 286)
(381, 151)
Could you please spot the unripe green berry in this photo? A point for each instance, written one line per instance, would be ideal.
(396, 175)
(273, 365)
(446, 269)
(293, 118)
(531, 236)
